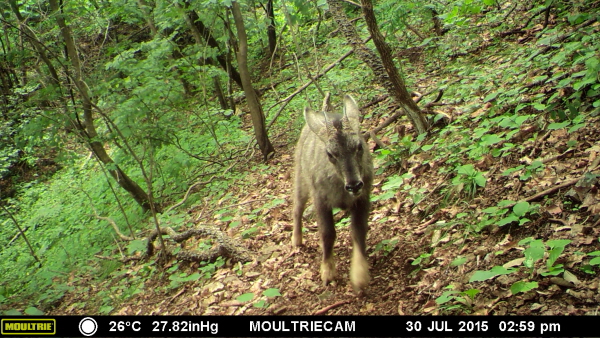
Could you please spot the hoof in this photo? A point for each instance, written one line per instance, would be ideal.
(297, 240)
(359, 272)
(328, 271)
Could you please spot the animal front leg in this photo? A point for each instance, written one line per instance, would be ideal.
(327, 230)
(300, 198)
(359, 268)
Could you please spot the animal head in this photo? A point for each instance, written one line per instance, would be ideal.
(345, 147)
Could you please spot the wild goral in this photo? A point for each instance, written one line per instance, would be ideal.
(333, 165)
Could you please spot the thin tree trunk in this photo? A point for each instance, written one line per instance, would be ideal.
(272, 35)
(437, 23)
(258, 117)
(219, 91)
(124, 181)
(401, 94)
(201, 32)
(30, 35)
(147, 10)
(22, 232)
(396, 90)
(143, 7)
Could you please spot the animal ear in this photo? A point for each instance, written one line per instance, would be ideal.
(317, 122)
(351, 112)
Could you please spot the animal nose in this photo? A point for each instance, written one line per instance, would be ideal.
(354, 187)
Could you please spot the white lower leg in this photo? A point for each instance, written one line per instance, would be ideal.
(328, 270)
(297, 237)
(359, 270)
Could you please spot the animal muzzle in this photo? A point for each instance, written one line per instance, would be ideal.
(354, 187)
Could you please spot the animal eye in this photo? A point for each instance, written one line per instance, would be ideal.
(359, 147)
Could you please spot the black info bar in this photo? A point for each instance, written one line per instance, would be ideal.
(299, 326)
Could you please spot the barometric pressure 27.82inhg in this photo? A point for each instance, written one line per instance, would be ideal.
(166, 326)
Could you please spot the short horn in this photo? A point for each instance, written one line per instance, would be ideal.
(328, 125)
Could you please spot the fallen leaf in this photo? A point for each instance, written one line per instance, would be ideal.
(569, 277)
(554, 210)
(514, 262)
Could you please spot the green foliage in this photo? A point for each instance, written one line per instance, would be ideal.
(519, 210)
(209, 268)
(423, 259)
(536, 250)
(246, 297)
(501, 215)
(391, 186)
(469, 179)
(462, 300)
(527, 171)
(480, 276)
(386, 245)
(458, 261)
(260, 303)
(523, 287)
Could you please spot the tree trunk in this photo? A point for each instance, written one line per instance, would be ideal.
(385, 72)
(401, 94)
(258, 117)
(219, 91)
(143, 7)
(124, 181)
(437, 24)
(36, 44)
(271, 28)
(199, 32)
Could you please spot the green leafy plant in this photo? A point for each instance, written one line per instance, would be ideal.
(462, 300)
(594, 262)
(468, 178)
(482, 275)
(209, 268)
(386, 246)
(534, 167)
(260, 303)
(519, 211)
(423, 259)
(390, 187)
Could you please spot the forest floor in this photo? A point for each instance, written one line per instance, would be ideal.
(410, 232)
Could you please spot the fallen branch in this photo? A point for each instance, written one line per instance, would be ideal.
(562, 37)
(332, 306)
(239, 204)
(185, 197)
(375, 101)
(421, 228)
(187, 193)
(546, 192)
(377, 141)
(114, 225)
(434, 104)
(558, 220)
(226, 247)
(557, 187)
(17, 236)
(385, 123)
(556, 157)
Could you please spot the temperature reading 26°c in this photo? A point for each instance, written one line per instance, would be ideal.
(121, 326)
